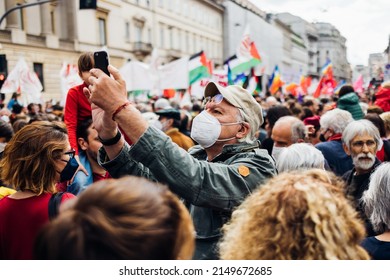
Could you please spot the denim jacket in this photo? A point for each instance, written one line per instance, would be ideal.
(81, 181)
(211, 190)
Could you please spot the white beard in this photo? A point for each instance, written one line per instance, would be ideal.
(363, 164)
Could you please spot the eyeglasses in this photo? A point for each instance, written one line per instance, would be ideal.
(70, 153)
(360, 144)
(216, 99)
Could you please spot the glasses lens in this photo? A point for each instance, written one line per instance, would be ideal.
(216, 99)
(360, 144)
(70, 153)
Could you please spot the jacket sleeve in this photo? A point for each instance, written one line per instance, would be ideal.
(71, 117)
(201, 183)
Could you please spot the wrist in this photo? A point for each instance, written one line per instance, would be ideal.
(110, 140)
(119, 109)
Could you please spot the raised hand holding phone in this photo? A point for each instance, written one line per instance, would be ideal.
(101, 61)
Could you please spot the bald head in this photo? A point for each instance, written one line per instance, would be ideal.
(287, 131)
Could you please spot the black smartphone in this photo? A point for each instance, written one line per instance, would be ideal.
(101, 61)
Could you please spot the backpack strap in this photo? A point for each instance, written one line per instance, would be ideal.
(54, 204)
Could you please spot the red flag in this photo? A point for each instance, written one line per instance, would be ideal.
(317, 93)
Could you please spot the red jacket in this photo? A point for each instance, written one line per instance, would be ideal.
(77, 108)
(383, 99)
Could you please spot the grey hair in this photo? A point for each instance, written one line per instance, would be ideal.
(298, 128)
(298, 131)
(300, 156)
(361, 127)
(251, 136)
(376, 198)
(336, 119)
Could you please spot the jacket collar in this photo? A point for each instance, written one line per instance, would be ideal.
(227, 150)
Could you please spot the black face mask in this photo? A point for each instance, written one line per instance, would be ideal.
(322, 138)
(69, 170)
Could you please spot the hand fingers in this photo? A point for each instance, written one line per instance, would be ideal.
(87, 93)
(96, 73)
(115, 73)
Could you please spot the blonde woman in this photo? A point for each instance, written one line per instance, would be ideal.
(34, 160)
(295, 216)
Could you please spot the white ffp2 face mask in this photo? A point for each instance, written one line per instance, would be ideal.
(206, 129)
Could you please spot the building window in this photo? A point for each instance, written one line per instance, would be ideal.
(138, 33)
(195, 47)
(127, 31)
(149, 35)
(38, 69)
(187, 42)
(52, 22)
(162, 37)
(178, 42)
(161, 3)
(171, 38)
(20, 18)
(102, 32)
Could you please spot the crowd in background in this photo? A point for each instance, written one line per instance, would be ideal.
(336, 206)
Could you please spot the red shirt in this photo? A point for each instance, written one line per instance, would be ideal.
(21, 220)
(77, 108)
(98, 177)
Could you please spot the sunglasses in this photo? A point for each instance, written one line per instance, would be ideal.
(71, 153)
(216, 99)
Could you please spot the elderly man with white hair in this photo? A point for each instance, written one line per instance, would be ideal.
(361, 140)
(333, 124)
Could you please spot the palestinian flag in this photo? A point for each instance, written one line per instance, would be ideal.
(199, 67)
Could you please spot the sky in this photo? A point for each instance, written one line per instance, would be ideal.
(364, 23)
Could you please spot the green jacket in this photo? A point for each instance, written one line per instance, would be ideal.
(211, 190)
(350, 103)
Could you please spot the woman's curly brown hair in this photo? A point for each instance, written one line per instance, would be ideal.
(295, 217)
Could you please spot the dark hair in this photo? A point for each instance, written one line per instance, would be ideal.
(306, 113)
(85, 62)
(6, 130)
(19, 124)
(276, 112)
(378, 122)
(17, 108)
(82, 129)
(374, 110)
(345, 90)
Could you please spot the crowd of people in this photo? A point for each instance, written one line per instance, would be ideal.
(235, 176)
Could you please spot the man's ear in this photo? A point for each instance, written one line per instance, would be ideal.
(244, 130)
(346, 150)
(82, 143)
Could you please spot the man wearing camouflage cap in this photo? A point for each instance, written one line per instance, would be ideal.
(213, 178)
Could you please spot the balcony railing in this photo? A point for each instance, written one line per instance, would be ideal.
(142, 48)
